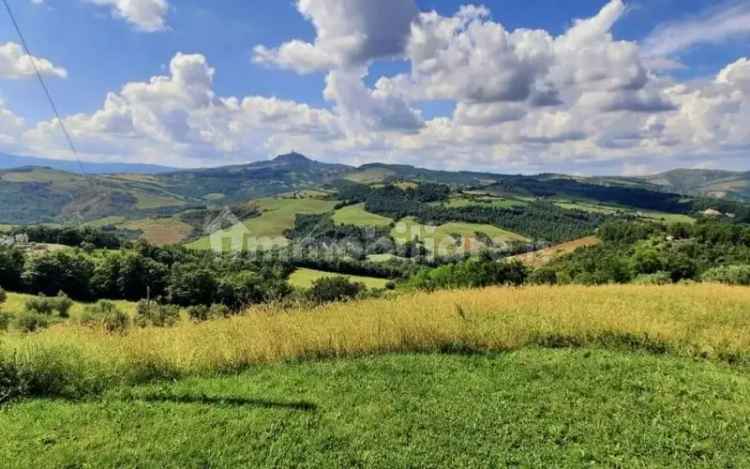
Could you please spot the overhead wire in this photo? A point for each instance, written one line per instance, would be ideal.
(46, 90)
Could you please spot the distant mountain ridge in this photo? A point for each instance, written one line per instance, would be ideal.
(14, 162)
(43, 194)
(707, 182)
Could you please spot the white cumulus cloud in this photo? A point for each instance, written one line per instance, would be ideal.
(178, 119)
(144, 15)
(348, 32)
(16, 64)
(512, 99)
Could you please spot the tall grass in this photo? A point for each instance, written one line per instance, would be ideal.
(707, 321)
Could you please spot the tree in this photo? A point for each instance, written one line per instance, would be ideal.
(731, 275)
(129, 276)
(59, 271)
(191, 285)
(331, 289)
(11, 267)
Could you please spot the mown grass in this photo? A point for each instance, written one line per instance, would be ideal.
(267, 230)
(305, 278)
(704, 321)
(530, 408)
(357, 215)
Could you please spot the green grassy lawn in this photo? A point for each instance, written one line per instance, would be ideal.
(357, 215)
(408, 228)
(304, 278)
(268, 229)
(530, 408)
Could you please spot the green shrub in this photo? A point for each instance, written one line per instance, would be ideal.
(202, 313)
(48, 306)
(199, 313)
(543, 276)
(31, 321)
(658, 278)
(5, 320)
(149, 313)
(219, 311)
(12, 382)
(731, 274)
(106, 315)
(330, 289)
(472, 273)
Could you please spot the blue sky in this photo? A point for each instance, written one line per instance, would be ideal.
(102, 50)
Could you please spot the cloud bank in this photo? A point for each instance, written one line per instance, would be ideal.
(520, 100)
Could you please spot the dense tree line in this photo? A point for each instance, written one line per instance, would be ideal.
(322, 231)
(612, 194)
(69, 236)
(471, 273)
(171, 275)
(317, 239)
(645, 253)
(538, 220)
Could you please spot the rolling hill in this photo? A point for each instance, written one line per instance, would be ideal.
(36, 194)
(15, 162)
(711, 183)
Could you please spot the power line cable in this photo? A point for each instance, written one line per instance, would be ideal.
(39, 77)
(44, 86)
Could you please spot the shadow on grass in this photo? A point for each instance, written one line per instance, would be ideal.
(227, 402)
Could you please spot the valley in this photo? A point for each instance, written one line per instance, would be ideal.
(180, 300)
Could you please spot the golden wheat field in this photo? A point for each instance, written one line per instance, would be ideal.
(706, 321)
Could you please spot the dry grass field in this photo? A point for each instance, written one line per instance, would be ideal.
(706, 321)
(543, 257)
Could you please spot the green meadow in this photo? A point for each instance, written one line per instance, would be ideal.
(444, 237)
(357, 215)
(278, 215)
(305, 278)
